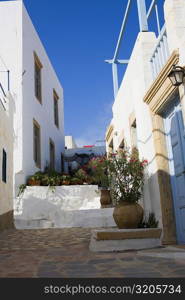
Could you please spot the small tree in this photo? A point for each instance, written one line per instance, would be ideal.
(127, 176)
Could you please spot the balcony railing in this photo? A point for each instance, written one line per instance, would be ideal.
(144, 15)
(160, 54)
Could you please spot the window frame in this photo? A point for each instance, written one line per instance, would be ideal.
(38, 66)
(133, 132)
(62, 162)
(55, 105)
(4, 166)
(52, 159)
(37, 161)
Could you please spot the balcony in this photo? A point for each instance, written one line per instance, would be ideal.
(160, 54)
(151, 18)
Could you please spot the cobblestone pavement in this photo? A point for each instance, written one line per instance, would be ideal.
(65, 253)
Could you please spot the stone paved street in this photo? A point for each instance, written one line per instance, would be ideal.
(64, 253)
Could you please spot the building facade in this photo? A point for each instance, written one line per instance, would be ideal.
(151, 115)
(38, 94)
(75, 158)
(6, 159)
(70, 142)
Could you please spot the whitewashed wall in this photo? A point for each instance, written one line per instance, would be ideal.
(18, 41)
(42, 113)
(11, 59)
(175, 26)
(136, 81)
(70, 142)
(130, 100)
(6, 143)
(63, 206)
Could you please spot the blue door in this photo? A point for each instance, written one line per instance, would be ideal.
(175, 133)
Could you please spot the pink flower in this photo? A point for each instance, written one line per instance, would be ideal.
(145, 161)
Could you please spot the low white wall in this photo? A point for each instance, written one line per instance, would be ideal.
(63, 206)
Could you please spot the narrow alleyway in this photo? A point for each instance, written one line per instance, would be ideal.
(64, 253)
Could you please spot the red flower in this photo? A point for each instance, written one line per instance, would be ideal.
(133, 160)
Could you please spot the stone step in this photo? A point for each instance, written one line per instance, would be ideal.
(65, 219)
(113, 240)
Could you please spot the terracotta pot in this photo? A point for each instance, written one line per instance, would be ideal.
(105, 198)
(128, 215)
(34, 182)
(65, 182)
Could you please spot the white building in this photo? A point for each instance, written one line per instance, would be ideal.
(148, 113)
(76, 157)
(70, 142)
(6, 159)
(39, 122)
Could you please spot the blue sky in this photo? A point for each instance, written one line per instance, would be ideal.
(78, 36)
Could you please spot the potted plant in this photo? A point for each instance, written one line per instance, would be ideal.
(65, 179)
(45, 180)
(81, 174)
(127, 174)
(35, 179)
(76, 181)
(100, 172)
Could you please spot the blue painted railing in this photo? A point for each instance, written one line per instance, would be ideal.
(160, 54)
(143, 16)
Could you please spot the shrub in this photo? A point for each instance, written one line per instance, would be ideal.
(127, 176)
(99, 170)
(149, 222)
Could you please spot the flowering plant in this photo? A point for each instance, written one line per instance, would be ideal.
(98, 167)
(127, 174)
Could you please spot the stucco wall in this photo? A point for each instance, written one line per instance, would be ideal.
(42, 113)
(6, 143)
(18, 40)
(136, 82)
(11, 55)
(70, 142)
(175, 24)
(63, 206)
(129, 101)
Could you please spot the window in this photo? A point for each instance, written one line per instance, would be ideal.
(55, 99)
(62, 162)
(122, 144)
(134, 134)
(4, 166)
(38, 85)
(52, 154)
(36, 144)
(111, 147)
